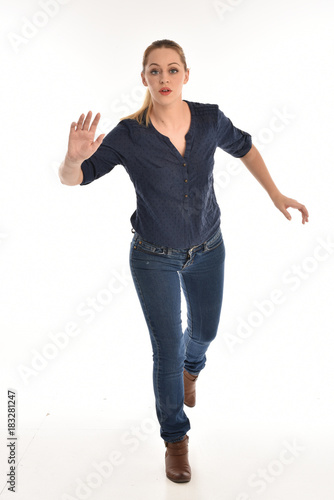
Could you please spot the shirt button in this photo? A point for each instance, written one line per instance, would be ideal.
(184, 164)
(186, 196)
(185, 180)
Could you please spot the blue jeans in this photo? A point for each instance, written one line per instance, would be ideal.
(157, 273)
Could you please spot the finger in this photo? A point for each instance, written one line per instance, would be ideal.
(87, 121)
(72, 129)
(100, 139)
(95, 122)
(305, 215)
(304, 210)
(295, 204)
(79, 124)
(284, 211)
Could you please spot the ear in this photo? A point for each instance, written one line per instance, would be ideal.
(143, 79)
(186, 78)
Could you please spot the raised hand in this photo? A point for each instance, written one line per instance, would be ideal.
(81, 144)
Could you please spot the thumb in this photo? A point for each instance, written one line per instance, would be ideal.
(99, 140)
(286, 213)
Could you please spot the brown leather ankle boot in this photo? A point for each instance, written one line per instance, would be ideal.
(177, 464)
(189, 388)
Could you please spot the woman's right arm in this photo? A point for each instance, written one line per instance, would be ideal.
(81, 145)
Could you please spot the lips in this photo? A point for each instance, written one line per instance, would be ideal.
(165, 91)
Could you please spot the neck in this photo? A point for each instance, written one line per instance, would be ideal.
(170, 115)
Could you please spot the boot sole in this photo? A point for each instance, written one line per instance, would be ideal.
(178, 480)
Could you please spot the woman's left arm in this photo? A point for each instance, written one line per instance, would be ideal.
(255, 164)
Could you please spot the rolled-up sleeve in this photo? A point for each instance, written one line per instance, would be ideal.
(112, 152)
(231, 139)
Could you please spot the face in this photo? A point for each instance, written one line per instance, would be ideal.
(164, 69)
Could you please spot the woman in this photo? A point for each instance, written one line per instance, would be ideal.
(167, 148)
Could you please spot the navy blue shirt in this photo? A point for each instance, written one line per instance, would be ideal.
(176, 202)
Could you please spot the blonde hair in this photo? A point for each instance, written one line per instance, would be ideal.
(147, 104)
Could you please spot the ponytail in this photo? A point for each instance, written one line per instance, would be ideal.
(139, 115)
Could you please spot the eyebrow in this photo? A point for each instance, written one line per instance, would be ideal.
(167, 65)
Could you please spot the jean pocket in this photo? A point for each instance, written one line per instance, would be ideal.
(146, 247)
(215, 241)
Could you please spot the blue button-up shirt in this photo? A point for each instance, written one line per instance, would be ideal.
(176, 202)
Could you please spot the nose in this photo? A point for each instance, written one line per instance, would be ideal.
(164, 78)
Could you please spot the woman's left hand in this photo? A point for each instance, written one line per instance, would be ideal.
(283, 202)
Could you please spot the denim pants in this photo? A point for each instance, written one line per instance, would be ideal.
(159, 273)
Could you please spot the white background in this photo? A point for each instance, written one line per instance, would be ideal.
(267, 382)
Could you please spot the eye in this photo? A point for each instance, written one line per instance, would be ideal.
(156, 71)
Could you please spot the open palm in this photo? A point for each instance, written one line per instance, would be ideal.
(81, 144)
